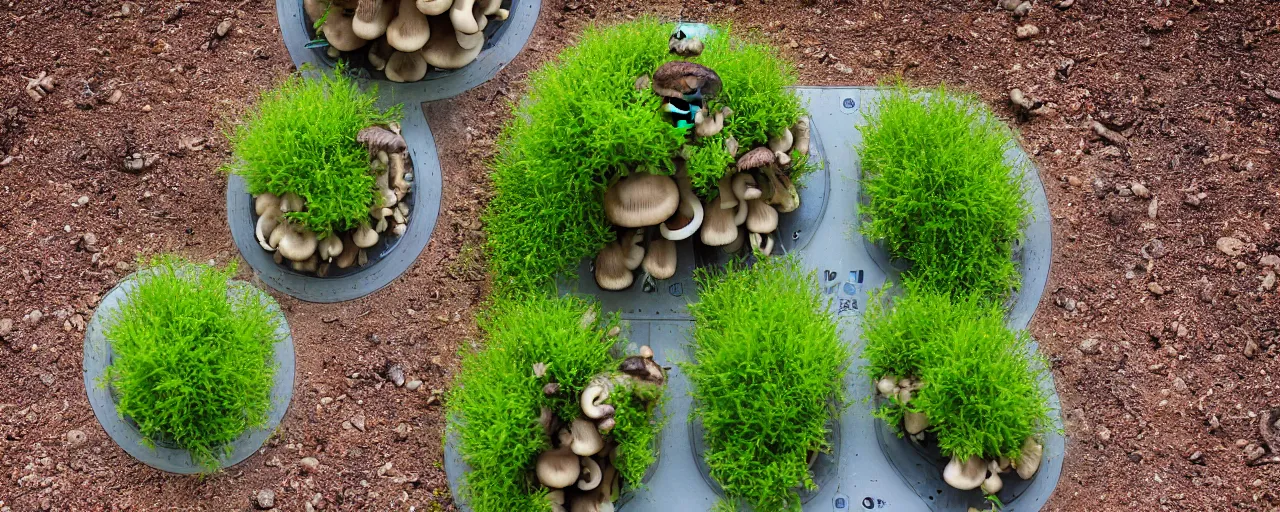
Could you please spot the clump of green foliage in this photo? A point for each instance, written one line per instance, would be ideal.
(941, 194)
(583, 124)
(496, 398)
(768, 375)
(192, 362)
(981, 389)
(300, 137)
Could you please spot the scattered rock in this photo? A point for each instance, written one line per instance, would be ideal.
(1269, 427)
(115, 97)
(1230, 246)
(1140, 190)
(47, 379)
(843, 68)
(1135, 456)
(357, 421)
(413, 385)
(1155, 288)
(1153, 207)
(1270, 260)
(1025, 105)
(6, 326)
(1026, 32)
(33, 317)
(76, 438)
(402, 431)
(1197, 457)
(309, 464)
(1074, 181)
(1022, 9)
(1109, 135)
(1253, 452)
(395, 374)
(224, 27)
(1153, 250)
(137, 163)
(1090, 346)
(1273, 94)
(1179, 385)
(1104, 434)
(1192, 200)
(1269, 280)
(265, 499)
(1064, 4)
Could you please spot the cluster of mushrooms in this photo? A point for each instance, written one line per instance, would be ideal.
(409, 35)
(963, 474)
(750, 195)
(578, 470)
(309, 252)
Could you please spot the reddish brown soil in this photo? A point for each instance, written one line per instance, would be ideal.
(1157, 420)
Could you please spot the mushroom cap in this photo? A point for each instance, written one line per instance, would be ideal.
(611, 268)
(329, 248)
(660, 259)
(372, 17)
(443, 49)
(462, 18)
(887, 385)
(264, 202)
(635, 252)
(364, 237)
(298, 243)
(678, 77)
(736, 244)
(717, 225)
(781, 143)
(314, 9)
(337, 30)
(915, 422)
(590, 401)
(589, 474)
(992, 484)
(641, 199)
(469, 41)
(379, 52)
(965, 474)
(349, 252)
(744, 186)
(409, 31)
(1029, 460)
(586, 439)
(378, 138)
(761, 243)
(405, 67)
(761, 218)
(757, 157)
(558, 468)
(291, 202)
(800, 131)
(267, 223)
(433, 7)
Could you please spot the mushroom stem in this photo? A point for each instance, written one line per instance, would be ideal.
(689, 200)
(765, 247)
(396, 168)
(801, 132)
(635, 251)
(965, 474)
(781, 143)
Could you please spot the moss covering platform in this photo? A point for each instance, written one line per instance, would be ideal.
(871, 468)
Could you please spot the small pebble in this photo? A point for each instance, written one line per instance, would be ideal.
(82, 200)
(402, 431)
(265, 499)
(76, 438)
(1270, 260)
(1269, 280)
(1090, 346)
(309, 464)
(413, 385)
(1140, 190)
(224, 27)
(357, 421)
(1230, 246)
(1074, 181)
(6, 326)
(1026, 32)
(1153, 207)
(1155, 288)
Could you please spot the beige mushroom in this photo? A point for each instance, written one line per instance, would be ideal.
(314, 9)
(724, 187)
(740, 215)
(379, 52)
(731, 146)
(264, 202)
(364, 236)
(296, 242)
(992, 484)
(433, 7)
(660, 259)
(800, 131)
(490, 8)
(556, 498)
(372, 17)
(705, 125)
(965, 474)
(641, 199)
(915, 422)
(501, 14)
(591, 401)
(783, 159)
(761, 243)
(291, 202)
(783, 192)
(611, 268)
(329, 248)
(1029, 460)
(586, 439)
(337, 30)
(631, 241)
(380, 139)
(410, 30)
(744, 186)
(755, 158)
(406, 67)
(781, 143)
(443, 50)
(267, 224)
(460, 14)
(380, 217)
(589, 475)
(690, 208)
(311, 264)
(470, 41)
(347, 257)
(761, 218)
(737, 243)
(718, 228)
(558, 468)
(887, 385)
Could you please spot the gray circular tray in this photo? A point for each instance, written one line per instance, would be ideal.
(506, 40)
(385, 265)
(97, 357)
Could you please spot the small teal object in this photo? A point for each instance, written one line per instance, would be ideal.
(676, 110)
(319, 42)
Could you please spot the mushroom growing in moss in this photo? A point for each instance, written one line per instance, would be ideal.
(371, 18)
(409, 31)
(965, 474)
(641, 199)
(558, 468)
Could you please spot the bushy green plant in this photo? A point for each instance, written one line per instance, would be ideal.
(940, 193)
(496, 398)
(767, 377)
(192, 362)
(583, 123)
(981, 381)
(300, 137)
